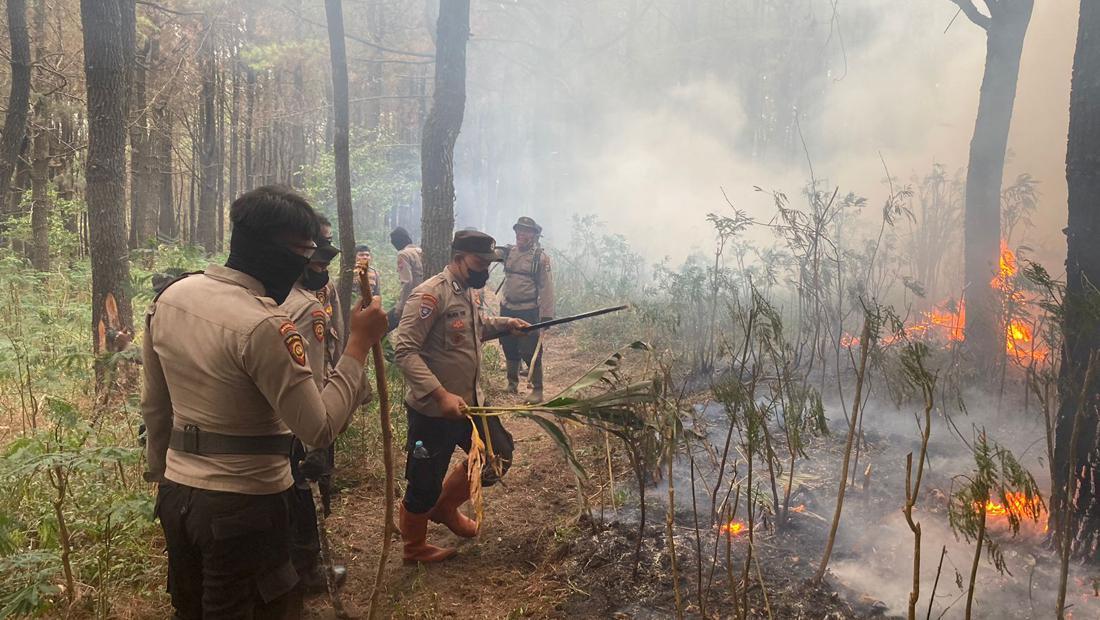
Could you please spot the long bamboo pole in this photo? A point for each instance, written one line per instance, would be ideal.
(363, 271)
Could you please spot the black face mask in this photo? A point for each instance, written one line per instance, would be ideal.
(315, 280)
(274, 265)
(476, 279)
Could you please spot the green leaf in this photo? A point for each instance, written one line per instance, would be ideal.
(560, 438)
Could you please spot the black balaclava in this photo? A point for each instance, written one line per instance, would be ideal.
(400, 238)
(315, 280)
(276, 266)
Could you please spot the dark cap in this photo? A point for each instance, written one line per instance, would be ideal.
(528, 223)
(325, 251)
(477, 243)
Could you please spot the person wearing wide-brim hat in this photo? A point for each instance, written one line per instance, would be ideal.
(528, 295)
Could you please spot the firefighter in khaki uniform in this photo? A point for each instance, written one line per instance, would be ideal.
(438, 348)
(410, 268)
(304, 308)
(227, 381)
(528, 295)
(330, 303)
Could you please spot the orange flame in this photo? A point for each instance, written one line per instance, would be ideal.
(799, 508)
(1018, 504)
(948, 325)
(733, 528)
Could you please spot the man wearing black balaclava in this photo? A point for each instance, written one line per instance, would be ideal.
(306, 309)
(227, 385)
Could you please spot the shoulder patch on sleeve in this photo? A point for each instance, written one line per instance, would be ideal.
(319, 319)
(427, 305)
(296, 347)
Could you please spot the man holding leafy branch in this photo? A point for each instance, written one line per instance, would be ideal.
(438, 348)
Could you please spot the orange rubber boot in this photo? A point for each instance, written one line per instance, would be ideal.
(456, 491)
(414, 532)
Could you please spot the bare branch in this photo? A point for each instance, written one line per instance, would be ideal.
(971, 11)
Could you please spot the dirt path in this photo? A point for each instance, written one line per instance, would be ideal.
(508, 571)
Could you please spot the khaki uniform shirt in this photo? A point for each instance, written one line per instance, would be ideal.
(334, 342)
(527, 286)
(220, 355)
(305, 310)
(438, 342)
(410, 273)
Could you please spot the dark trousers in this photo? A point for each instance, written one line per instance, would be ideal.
(228, 553)
(305, 545)
(440, 437)
(523, 347)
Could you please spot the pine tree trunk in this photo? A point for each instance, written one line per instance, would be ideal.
(1081, 327)
(15, 120)
(207, 225)
(40, 168)
(167, 222)
(219, 178)
(40, 202)
(234, 132)
(250, 109)
(440, 133)
(139, 143)
(1005, 33)
(338, 54)
(105, 23)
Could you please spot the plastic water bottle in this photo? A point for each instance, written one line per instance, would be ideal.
(419, 451)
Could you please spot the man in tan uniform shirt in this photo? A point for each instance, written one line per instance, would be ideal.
(304, 308)
(438, 348)
(330, 303)
(410, 268)
(227, 380)
(528, 295)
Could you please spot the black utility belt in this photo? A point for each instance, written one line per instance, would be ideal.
(194, 441)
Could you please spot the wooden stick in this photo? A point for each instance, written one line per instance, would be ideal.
(363, 271)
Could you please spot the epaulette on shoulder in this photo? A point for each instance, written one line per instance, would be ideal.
(161, 286)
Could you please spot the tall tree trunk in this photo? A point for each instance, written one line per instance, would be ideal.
(219, 178)
(139, 142)
(250, 109)
(345, 217)
(40, 166)
(15, 120)
(234, 132)
(207, 225)
(437, 189)
(1005, 30)
(105, 58)
(40, 202)
(1081, 326)
(167, 222)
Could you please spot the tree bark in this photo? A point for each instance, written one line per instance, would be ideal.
(207, 225)
(345, 217)
(167, 222)
(234, 132)
(1005, 32)
(105, 58)
(40, 167)
(140, 199)
(437, 189)
(1081, 323)
(250, 109)
(40, 202)
(15, 120)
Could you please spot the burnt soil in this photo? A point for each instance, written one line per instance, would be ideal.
(538, 557)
